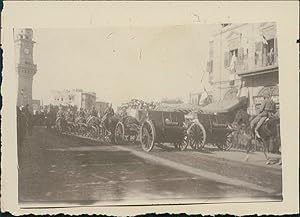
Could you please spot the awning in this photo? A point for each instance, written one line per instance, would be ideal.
(224, 106)
(185, 108)
(263, 70)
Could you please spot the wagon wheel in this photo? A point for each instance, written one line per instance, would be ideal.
(119, 133)
(101, 132)
(227, 143)
(196, 136)
(147, 135)
(182, 145)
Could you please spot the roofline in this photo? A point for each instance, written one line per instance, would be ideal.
(229, 28)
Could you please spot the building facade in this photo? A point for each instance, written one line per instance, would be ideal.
(243, 61)
(25, 67)
(88, 100)
(74, 97)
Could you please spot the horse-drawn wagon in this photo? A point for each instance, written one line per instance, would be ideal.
(213, 124)
(128, 126)
(163, 127)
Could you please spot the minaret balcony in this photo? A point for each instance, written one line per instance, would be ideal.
(27, 68)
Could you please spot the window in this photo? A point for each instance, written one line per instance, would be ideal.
(211, 50)
(265, 52)
(231, 59)
(233, 52)
(225, 24)
(209, 67)
(269, 52)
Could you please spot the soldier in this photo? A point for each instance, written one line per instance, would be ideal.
(266, 110)
(81, 113)
(29, 119)
(60, 113)
(109, 111)
(94, 112)
(21, 126)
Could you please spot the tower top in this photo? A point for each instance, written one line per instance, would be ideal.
(24, 34)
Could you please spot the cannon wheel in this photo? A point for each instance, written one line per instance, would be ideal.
(196, 136)
(147, 135)
(228, 142)
(119, 133)
(182, 145)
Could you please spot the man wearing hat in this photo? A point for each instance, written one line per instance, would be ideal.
(267, 109)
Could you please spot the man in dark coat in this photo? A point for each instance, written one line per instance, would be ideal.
(94, 112)
(29, 119)
(21, 130)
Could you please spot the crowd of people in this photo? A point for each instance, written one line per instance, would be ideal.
(25, 122)
(49, 115)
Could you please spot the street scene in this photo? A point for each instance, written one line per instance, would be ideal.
(156, 115)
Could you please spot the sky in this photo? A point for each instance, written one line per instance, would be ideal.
(120, 63)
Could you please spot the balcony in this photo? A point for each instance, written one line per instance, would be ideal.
(261, 65)
(27, 67)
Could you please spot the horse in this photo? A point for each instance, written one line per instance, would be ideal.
(93, 126)
(80, 125)
(61, 124)
(267, 131)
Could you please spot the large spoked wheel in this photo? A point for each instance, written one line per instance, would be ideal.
(229, 141)
(119, 133)
(182, 145)
(147, 135)
(196, 136)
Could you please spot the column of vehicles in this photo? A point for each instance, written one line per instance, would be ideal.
(216, 125)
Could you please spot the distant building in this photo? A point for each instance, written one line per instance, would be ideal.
(88, 100)
(172, 101)
(243, 61)
(25, 68)
(74, 97)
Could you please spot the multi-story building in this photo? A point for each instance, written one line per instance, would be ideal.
(243, 61)
(74, 97)
(88, 100)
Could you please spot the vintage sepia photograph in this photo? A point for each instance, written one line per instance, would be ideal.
(148, 115)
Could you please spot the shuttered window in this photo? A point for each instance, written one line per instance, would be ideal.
(226, 59)
(241, 55)
(209, 66)
(258, 53)
(275, 51)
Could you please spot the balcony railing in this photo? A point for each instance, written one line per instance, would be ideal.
(264, 63)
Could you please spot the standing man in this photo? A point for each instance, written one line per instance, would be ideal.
(267, 109)
(29, 119)
(109, 112)
(21, 126)
(94, 112)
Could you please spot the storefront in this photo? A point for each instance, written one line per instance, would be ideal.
(273, 90)
(258, 84)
